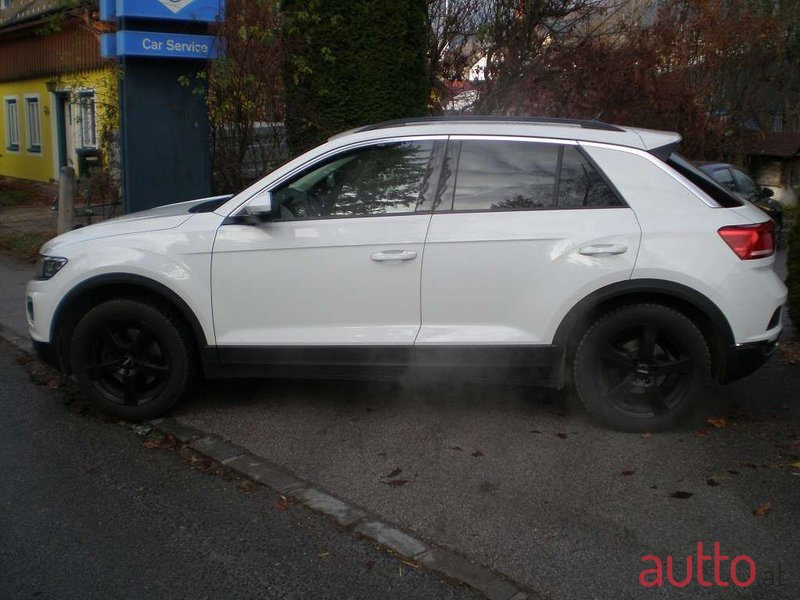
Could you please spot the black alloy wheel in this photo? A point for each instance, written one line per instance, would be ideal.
(641, 368)
(133, 358)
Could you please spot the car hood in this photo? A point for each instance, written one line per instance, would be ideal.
(154, 219)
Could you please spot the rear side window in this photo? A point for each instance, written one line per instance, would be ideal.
(718, 193)
(497, 175)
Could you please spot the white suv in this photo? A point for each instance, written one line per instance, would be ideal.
(554, 252)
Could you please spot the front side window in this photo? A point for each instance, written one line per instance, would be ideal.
(34, 124)
(496, 175)
(12, 124)
(379, 180)
(87, 119)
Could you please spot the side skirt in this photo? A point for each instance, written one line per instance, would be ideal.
(531, 365)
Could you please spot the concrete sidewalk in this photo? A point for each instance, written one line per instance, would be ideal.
(14, 277)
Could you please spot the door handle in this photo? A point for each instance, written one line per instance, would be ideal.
(604, 249)
(394, 255)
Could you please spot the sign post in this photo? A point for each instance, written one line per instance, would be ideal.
(164, 133)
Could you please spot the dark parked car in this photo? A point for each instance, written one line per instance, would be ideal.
(740, 183)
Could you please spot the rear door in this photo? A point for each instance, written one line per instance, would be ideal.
(523, 230)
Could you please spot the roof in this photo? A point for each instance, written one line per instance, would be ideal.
(544, 127)
(784, 145)
(26, 10)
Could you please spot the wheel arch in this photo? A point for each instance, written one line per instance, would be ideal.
(116, 285)
(706, 315)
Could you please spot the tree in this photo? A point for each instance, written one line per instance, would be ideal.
(350, 63)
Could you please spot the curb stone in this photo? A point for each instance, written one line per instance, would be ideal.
(235, 458)
(360, 521)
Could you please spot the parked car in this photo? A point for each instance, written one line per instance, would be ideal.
(553, 252)
(740, 183)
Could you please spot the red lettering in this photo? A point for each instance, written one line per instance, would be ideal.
(688, 578)
(657, 571)
(718, 560)
(700, 559)
(735, 578)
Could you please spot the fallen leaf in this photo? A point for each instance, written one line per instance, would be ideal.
(627, 473)
(795, 465)
(410, 564)
(281, 503)
(167, 441)
(394, 473)
(535, 431)
(324, 554)
(563, 436)
(701, 432)
(681, 495)
(762, 509)
(396, 482)
(712, 482)
(645, 435)
(459, 448)
(477, 453)
(717, 422)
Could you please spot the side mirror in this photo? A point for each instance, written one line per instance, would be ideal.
(767, 193)
(259, 209)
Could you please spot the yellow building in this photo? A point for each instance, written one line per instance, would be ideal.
(59, 97)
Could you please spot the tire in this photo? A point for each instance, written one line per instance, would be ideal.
(133, 358)
(641, 367)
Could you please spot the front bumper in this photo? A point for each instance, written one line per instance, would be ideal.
(743, 359)
(46, 352)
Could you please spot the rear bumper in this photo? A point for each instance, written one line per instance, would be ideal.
(743, 359)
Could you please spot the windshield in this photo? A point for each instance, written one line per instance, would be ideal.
(722, 196)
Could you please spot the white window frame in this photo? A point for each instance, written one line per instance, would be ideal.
(33, 124)
(84, 113)
(12, 126)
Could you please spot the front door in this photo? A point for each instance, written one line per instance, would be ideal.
(340, 263)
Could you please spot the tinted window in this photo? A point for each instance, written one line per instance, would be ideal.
(722, 196)
(499, 175)
(502, 175)
(580, 185)
(379, 180)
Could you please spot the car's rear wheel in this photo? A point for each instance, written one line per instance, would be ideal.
(641, 367)
(133, 358)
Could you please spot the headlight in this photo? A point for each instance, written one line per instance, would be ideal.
(49, 266)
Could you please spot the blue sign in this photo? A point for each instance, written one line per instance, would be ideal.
(163, 45)
(204, 11)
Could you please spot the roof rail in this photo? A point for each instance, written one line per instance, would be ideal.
(585, 123)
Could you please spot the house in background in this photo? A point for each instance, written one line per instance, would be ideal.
(56, 90)
(775, 163)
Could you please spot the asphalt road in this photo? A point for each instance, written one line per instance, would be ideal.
(536, 491)
(87, 512)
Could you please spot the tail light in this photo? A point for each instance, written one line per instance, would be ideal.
(750, 241)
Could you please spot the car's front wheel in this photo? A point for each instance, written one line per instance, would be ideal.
(133, 358)
(641, 367)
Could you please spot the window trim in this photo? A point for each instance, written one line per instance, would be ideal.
(9, 143)
(30, 148)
